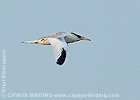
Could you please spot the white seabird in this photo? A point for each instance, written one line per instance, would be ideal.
(59, 42)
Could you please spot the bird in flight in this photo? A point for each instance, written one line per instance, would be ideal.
(59, 42)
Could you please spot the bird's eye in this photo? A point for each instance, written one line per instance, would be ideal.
(42, 39)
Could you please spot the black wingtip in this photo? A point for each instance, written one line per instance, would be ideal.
(76, 35)
(62, 58)
(60, 63)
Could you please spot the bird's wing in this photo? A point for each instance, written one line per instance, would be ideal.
(59, 48)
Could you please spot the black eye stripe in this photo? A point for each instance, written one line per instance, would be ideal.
(76, 35)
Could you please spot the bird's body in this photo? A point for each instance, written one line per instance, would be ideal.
(59, 43)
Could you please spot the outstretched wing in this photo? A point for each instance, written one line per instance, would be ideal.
(59, 48)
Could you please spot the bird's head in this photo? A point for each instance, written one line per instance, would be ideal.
(43, 41)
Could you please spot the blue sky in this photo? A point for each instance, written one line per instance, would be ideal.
(107, 64)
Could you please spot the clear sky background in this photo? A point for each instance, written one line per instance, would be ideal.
(110, 63)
